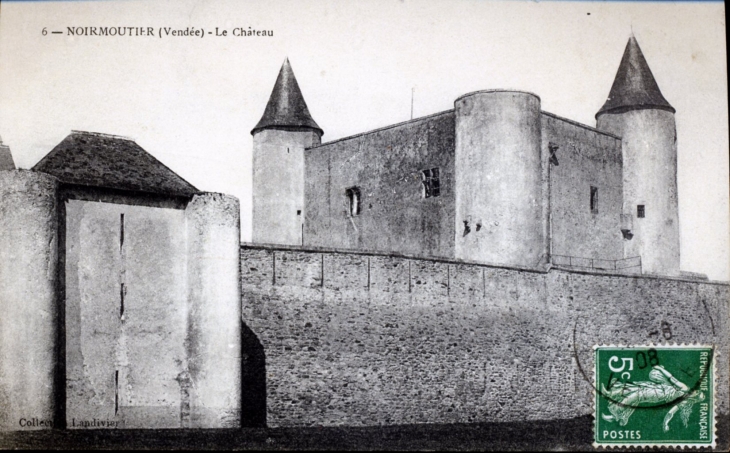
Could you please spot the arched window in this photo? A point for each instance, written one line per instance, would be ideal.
(353, 199)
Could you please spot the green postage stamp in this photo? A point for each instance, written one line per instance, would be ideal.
(654, 395)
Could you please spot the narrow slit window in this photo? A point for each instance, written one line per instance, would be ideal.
(594, 200)
(431, 183)
(353, 200)
(640, 211)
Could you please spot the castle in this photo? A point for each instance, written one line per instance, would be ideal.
(495, 180)
(454, 268)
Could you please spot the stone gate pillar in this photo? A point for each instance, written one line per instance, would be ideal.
(29, 300)
(214, 303)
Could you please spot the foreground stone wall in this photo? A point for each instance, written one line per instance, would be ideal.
(366, 339)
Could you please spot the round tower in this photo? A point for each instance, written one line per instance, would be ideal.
(279, 140)
(498, 178)
(637, 111)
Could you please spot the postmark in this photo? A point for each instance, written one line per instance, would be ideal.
(654, 395)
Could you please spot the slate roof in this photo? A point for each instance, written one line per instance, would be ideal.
(6, 158)
(634, 86)
(286, 106)
(100, 160)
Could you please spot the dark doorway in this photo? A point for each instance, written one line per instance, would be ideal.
(253, 380)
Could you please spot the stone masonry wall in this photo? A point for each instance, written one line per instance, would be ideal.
(585, 158)
(385, 165)
(368, 339)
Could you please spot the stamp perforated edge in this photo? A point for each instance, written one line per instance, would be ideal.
(715, 354)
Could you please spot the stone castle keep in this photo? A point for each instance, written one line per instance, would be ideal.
(495, 180)
(454, 268)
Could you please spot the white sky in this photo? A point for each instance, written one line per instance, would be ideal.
(192, 102)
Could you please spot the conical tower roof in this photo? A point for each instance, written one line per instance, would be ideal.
(286, 107)
(634, 86)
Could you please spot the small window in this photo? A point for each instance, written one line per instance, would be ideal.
(431, 183)
(594, 200)
(353, 199)
(640, 211)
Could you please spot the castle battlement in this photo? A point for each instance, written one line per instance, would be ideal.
(429, 334)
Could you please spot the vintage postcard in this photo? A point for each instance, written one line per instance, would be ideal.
(376, 224)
